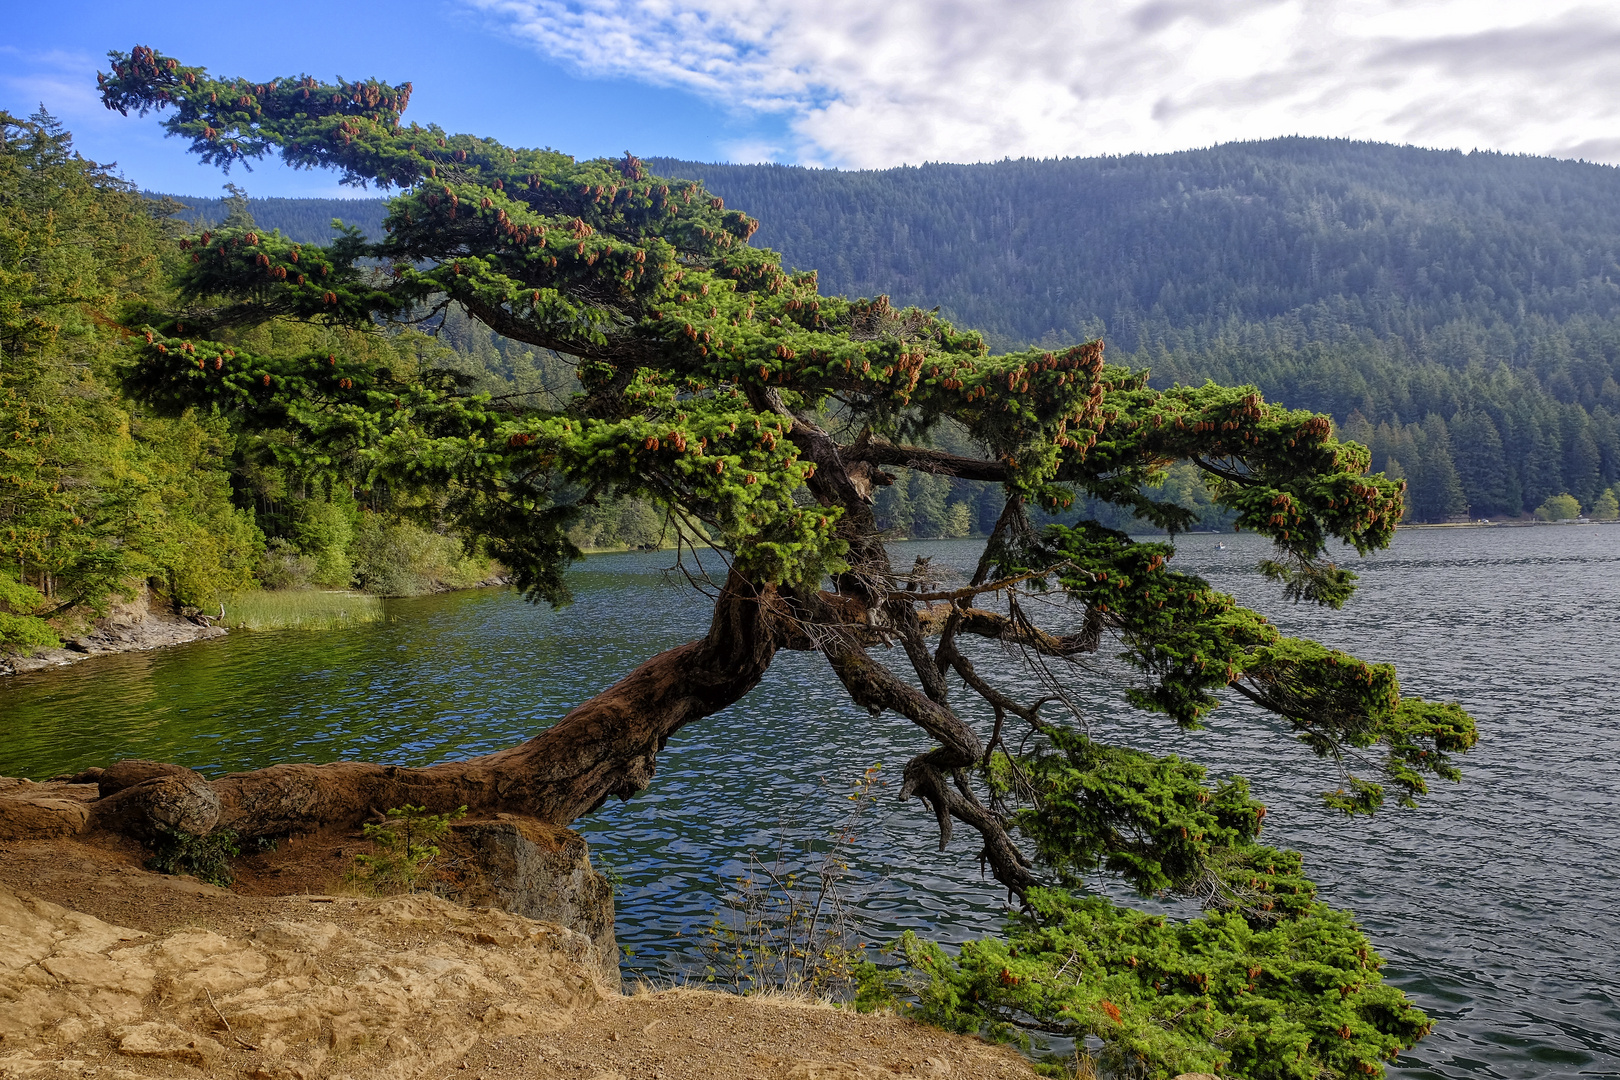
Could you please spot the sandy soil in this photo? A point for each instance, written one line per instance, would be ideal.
(107, 970)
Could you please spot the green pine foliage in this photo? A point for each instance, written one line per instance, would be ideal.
(404, 849)
(1296, 998)
(1270, 983)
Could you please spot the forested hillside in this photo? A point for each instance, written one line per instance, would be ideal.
(1460, 311)
(1335, 237)
(308, 221)
(99, 494)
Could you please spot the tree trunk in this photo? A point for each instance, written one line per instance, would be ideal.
(606, 746)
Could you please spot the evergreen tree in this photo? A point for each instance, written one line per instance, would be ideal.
(1543, 469)
(1606, 507)
(1481, 466)
(1583, 461)
(1437, 492)
(237, 213)
(758, 412)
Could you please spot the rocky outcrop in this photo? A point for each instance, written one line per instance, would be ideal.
(391, 987)
(132, 626)
(409, 988)
(509, 863)
(533, 869)
(31, 811)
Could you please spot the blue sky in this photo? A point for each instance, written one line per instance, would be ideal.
(469, 75)
(863, 83)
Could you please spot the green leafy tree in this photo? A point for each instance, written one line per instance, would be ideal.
(764, 416)
(1561, 507)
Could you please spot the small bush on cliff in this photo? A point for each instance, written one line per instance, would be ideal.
(403, 849)
(206, 858)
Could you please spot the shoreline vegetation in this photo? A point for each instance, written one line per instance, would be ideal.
(303, 609)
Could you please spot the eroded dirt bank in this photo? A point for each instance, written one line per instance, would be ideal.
(107, 970)
(133, 625)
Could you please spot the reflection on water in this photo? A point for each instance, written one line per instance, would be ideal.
(1495, 901)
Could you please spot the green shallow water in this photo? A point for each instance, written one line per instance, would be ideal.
(1495, 902)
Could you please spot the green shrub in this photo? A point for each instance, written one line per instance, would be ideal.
(403, 849)
(400, 558)
(283, 566)
(20, 629)
(324, 530)
(206, 858)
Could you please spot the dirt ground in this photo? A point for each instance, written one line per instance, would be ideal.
(120, 973)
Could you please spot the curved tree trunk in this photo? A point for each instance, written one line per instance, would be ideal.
(609, 745)
(606, 746)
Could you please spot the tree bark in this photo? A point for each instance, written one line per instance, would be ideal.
(606, 746)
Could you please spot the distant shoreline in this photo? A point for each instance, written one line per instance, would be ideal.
(1500, 524)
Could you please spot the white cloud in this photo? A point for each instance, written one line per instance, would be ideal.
(871, 83)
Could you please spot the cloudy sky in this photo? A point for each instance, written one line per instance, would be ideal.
(853, 83)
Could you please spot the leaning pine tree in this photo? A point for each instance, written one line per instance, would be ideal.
(761, 415)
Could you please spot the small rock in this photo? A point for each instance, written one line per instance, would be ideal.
(304, 937)
(71, 1030)
(155, 1039)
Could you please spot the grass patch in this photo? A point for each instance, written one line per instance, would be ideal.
(300, 609)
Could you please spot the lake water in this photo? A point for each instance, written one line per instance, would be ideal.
(1497, 903)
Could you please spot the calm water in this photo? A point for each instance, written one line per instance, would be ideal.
(1498, 902)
